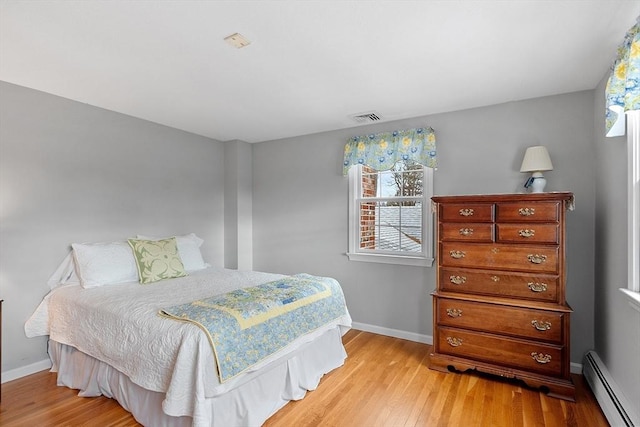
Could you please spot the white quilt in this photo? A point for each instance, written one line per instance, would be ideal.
(119, 325)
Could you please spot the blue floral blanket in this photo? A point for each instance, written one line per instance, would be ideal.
(247, 325)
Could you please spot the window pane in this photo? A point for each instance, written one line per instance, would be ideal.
(369, 182)
(368, 225)
(405, 179)
(410, 180)
(386, 184)
(391, 226)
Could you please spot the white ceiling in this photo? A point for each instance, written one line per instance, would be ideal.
(310, 64)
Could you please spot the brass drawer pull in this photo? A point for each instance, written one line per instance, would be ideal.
(526, 211)
(457, 280)
(457, 254)
(526, 233)
(466, 212)
(455, 342)
(537, 287)
(454, 312)
(536, 259)
(495, 278)
(466, 231)
(541, 358)
(541, 326)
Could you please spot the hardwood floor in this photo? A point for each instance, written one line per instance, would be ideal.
(384, 382)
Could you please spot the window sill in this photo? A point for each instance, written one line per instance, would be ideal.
(391, 259)
(634, 297)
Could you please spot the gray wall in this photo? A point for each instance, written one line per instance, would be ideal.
(617, 324)
(238, 226)
(69, 173)
(300, 203)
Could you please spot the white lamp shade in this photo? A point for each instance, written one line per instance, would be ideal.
(536, 159)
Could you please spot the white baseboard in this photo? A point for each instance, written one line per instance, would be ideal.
(614, 404)
(23, 371)
(576, 368)
(395, 333)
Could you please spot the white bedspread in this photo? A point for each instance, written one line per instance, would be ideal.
(119, 325)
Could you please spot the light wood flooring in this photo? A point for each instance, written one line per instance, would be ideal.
(384, 382)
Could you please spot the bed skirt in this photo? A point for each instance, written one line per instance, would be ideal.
(258, 396)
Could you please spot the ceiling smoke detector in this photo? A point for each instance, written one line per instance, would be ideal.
(237, 40)
(370, 117)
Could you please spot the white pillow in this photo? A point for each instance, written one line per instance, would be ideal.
(100, 264)
(189, 250)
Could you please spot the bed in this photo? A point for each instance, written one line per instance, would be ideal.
(110, 335)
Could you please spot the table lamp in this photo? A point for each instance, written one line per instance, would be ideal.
(536, 160)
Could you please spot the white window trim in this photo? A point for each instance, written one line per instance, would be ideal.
(425, 259)
(632, 291)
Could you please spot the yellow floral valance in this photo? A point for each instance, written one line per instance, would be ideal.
(381, 151)
(623, 87)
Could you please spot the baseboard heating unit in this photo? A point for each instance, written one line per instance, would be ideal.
(616, 407)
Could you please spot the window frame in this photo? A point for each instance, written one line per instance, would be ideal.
(633, 208)
(423, 259)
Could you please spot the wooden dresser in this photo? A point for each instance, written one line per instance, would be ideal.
(499, 306)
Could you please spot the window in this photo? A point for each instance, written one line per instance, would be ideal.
(390, 219)
(633, 141)
(622, 95)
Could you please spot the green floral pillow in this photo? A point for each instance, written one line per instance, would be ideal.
(157, 259)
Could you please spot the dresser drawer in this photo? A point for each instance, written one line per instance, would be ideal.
(528, 211)
(539, 325)
(469, 232)
(500, 283)
(466, 212)
(528, 233)
(540, 259)
(509, 352)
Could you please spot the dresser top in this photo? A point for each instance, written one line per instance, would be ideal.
(493, 198)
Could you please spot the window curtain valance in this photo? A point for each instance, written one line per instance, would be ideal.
(623, 87)
(381, 151)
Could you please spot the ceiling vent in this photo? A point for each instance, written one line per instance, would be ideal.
(370, 117)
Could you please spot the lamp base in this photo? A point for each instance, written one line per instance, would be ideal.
(538, 183)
